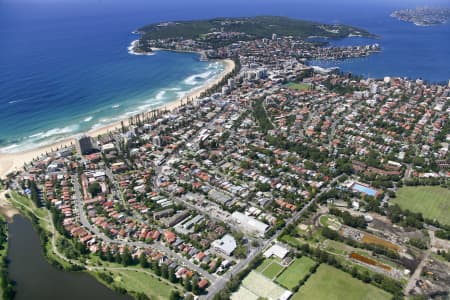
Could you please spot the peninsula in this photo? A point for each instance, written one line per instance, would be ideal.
(423, 16)
(219, 32)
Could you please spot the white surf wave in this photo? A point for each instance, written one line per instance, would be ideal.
(160, 95)
(132, 113)
(10, 148)
(59, 131)
(88, 119)
(182, 94)
(14, 101)
(116, 106)
(214, 65)
(133, 45)
(174, 89)
(36, 135)
(33, 143)
(196, 78)
(98, 125)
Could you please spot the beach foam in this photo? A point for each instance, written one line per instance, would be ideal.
(214, 65)
(182, 94)
(88, 119)
(97, 126)
(35, 143)
(133, 45)
(194, 79)
(60, 131)
(41, 138)
(160, 95)
(9, 148)
(36, 135)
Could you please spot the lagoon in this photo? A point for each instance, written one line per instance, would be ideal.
(36, 279)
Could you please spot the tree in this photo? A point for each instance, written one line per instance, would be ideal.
(164, 271)
(94, 189)
(174, 295)
(240, 251)
(195, 288)
(143, 262)
(118, 258)
(172, 276)
(187, 284)
(126, 257)
(34, 193)
(155, 267)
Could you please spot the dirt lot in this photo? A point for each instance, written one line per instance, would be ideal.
(435, 281)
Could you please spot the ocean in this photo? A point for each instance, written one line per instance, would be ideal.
(65, 67)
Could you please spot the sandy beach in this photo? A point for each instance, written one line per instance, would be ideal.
(10, 162)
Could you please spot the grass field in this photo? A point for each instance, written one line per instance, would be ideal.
(243, 294)
(432, 201)
(261, 286)
(26, 202)
(272, 270)
(329, 283)
(295, 272)
(330, 222)
(143, 283)
(298, 86)
(264, 264)
(291, 240)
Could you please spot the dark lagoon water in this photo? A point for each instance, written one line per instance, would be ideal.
(65, 68)
(38, 280)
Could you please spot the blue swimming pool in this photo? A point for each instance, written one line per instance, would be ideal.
(364, 189)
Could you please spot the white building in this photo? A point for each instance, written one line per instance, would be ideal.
(276, 250)
(225, 245)
(249, 224)
(156, 141)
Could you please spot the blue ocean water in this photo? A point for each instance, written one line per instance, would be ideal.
(64, 73)
(64, 65)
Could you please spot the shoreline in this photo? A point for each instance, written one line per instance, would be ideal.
(11, 162)
(132, 47)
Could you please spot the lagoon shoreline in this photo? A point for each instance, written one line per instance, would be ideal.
(11, 162)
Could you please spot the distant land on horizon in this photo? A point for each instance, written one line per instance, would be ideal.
(253, 27)
(423, 16)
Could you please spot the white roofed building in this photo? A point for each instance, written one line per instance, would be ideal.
(276, 250)
(225, 245)
(249, 224)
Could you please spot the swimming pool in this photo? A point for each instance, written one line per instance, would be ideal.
(364, 189)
